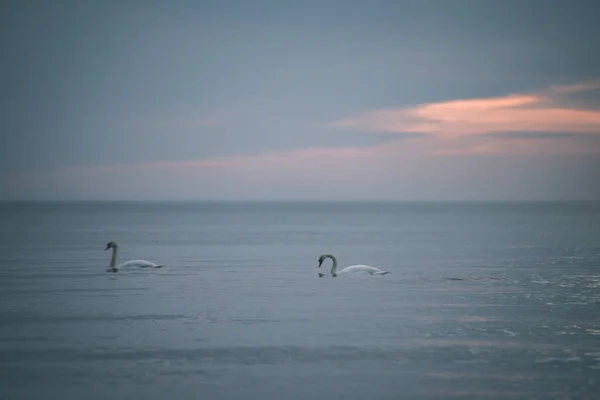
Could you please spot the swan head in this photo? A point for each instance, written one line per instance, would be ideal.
(110, 245)
(322, 258)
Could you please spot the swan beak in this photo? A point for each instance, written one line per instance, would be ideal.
(107, 247)
(320, 262)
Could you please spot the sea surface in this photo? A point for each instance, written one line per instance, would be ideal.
(484, 301)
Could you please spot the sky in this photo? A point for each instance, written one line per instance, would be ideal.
(300, 100)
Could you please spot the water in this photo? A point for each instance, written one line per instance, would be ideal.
(494, 301)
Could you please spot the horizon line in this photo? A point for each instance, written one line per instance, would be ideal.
(300, 201)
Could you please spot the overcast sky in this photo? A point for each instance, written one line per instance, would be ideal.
(404, 99)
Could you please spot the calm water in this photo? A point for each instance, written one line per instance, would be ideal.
(484, 301)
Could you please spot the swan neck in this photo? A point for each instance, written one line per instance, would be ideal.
(334, 266)
(113, 260)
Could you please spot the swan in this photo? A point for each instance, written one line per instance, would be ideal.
(352, 268)
(133, 263)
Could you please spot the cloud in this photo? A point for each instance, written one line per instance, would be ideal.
(175, 124)
(517, 124)
(519, 146)
(543, 113)
(419, 157)
(304, 158)
(532, 135)
(575, 88)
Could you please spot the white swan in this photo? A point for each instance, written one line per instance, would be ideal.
(352, 268)
(133, 263)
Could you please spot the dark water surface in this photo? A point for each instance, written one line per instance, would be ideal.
(494, 301)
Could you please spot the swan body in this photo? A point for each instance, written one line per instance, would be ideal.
(132, 263)
(351, 269)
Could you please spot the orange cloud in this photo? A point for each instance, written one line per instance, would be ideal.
(543, 111)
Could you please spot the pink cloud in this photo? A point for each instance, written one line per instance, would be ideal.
(575, 88)
(452, 127)
(543, 111)
(458, 127)
(523, 146)
(282, 159)
(291, 173)
(308, 160)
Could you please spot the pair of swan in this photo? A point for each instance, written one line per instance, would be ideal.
(147, 264)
